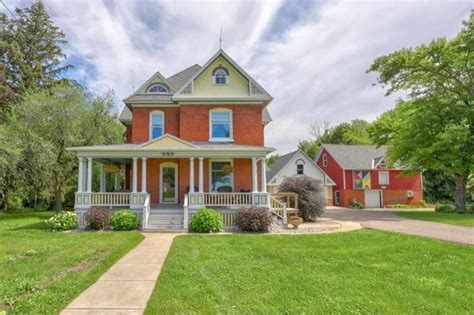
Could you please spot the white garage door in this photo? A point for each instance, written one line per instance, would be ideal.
(372, 199)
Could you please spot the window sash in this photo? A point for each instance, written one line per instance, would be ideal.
(383, 178)
(219, 179)
(156, 125)
(220, 125)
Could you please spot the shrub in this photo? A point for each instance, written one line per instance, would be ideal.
(255, 220)
(124, 220)
(470, 207)
(206, 220)
(62, 221)
(356, 205)
(445, 207)
(312, 196)
(97, 218)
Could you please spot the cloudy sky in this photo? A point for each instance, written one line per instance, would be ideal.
(312, 56)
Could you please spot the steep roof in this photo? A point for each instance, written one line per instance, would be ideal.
(279, 164)
(355, 157)
(177, 80)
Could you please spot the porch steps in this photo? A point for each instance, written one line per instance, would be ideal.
(165, 220)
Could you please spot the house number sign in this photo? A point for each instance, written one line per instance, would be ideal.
(167, 154)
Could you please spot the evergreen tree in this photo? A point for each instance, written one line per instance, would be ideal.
(30, 49)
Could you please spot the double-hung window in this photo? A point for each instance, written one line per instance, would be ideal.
(221, 176)
(383, 178)
(157, 122)
(220, 125)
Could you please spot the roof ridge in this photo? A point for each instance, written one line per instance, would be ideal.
(185, 69)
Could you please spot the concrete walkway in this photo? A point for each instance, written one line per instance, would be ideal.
(384, 219)
(126, 287)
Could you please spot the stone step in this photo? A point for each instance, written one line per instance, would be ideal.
(164, 227)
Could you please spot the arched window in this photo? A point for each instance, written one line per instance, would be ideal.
(157, 124)
(299, 167)
(220, 76)
(220, 125)
(158, 88)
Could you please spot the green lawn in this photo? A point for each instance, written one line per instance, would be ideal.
(363, 271)
(448, 218)
(42, 271)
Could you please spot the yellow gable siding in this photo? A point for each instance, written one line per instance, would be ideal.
(204, 87)
(167, 142)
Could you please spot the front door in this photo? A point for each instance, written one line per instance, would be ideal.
(169, 183)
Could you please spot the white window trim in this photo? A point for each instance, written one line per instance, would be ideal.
(170, 165)
(337, 197)
(388, 178)
(153, 84)
(325, 160)
(210, 172)
(150, 126)
(227, 80)
(221, 110)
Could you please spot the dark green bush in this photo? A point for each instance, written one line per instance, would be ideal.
(445, 207)
(97, 218)
(124, 220)
(206, 221)
(62, 221)
(356, 205)
(312, 197)
(255, 220)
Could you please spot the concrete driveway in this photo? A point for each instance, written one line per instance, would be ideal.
(384, 219)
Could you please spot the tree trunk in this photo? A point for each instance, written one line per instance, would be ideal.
(460, 193)
(58, 202)
(4, 204)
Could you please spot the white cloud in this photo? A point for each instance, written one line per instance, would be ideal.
(314, 67)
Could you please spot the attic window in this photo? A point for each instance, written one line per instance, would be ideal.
(220, 76)
(158, 88)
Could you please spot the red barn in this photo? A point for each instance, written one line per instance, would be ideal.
(361, 174)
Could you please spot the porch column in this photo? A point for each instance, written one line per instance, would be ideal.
(191, 174)
(134, 171)
(144, 175)
(89, 174)
(116, 182)
(254, 175)
(201, 175)
(80, 179)
(102, 179)
(264, 174)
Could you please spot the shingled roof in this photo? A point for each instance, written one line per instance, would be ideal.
(355, 157)
(278, 164)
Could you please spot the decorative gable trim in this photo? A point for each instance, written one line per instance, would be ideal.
(167, 140)
(142, 89)
(256, 87)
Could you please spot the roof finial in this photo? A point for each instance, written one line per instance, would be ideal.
(220, 39)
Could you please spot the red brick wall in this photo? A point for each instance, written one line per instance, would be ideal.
(141, 122)
(247, 123)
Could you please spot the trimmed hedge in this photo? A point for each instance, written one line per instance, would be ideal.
(255, 220)
(98, 218)
(206, 221)
(124, 220)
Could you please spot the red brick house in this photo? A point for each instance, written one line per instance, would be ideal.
(194, 139)
(361, 173)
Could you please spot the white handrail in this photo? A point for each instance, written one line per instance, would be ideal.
(146, 212)
(279, 209)
(185, 211)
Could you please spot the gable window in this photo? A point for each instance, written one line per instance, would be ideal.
(325, 159)
(158, 88)
(383, 178)
(157, 124)
(220, 76)
(299, 169)
(221, 176)
(220, 125)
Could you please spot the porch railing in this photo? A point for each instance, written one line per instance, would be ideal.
(279, 208)
(110, 199)
(218, 199)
